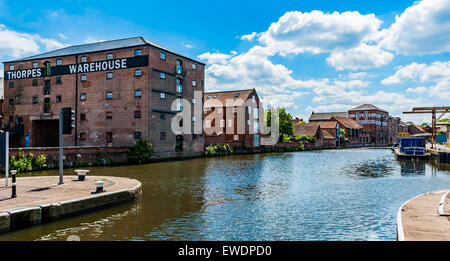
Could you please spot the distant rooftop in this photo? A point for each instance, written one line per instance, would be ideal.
(98, 47)
(324, 116)
(214, 99)
(366, 107)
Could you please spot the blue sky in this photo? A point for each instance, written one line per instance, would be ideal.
(302, 55)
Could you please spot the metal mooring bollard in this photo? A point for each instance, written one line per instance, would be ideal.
(99, 186)
(13, 185)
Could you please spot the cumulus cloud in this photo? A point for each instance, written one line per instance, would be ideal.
(92, 39)
(15, 44)
(215, 58)
(423, 28)
(249, 37)
(420, 72)
(418, 90)
(361, 57)
(318, 32)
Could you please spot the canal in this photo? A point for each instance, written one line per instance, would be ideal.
(350, 194)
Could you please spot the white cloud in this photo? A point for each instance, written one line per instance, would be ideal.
(361, 57)
(15, 44)
(418, 90)
(318, 32)
(249, 37)
(420, 72)
(215, 58)
(91, 39)
(422, 28)
(188, 46)
(62, 36)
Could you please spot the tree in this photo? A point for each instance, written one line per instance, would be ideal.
(445, 120)
(410, 123)
(424, 124)
(285, 120)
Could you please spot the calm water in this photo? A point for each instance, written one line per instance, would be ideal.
(325, 195)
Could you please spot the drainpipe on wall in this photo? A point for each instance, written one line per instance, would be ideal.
(76, 101)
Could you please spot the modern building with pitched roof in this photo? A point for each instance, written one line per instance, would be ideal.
(120, 90)
(231, 117)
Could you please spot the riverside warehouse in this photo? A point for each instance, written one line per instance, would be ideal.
(121, 91)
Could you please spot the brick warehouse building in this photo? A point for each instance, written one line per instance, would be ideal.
(228, 104)
(121, 90)
(375, 122)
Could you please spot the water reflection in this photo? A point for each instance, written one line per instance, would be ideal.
(412, 167)
(318, 195)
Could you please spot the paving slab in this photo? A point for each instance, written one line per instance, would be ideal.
(419, 219)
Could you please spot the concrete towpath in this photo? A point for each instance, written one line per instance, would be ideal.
(41, 199)
(425, 218)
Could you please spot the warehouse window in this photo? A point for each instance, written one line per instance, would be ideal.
(138, 72)
(109, 95)
(137, 114)
(109, 137)
(11, 101)
(35, 99)
(162, 75)
(162, 95)
(137, 93)
(58, 98)
(58, 80)
(83, 97)
(109, 115)
(48, 68)
(194, 83)
(83, 59)
(194, 66)
(193, 101)
(83, 77)
(162, 116)
(82, 136)
(35, 65)
(47, 105)
(109, 56)
(109, 75)
(162, 135)
(11, 67)
(193, 118)
(137, 52)
(59, 62)
(11, 84)
(138, 135)
(179, 86)
(82, 116)
(47, 90)
(162, 56)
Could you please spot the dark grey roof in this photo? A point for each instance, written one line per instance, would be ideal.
(365, 107)
(323, 116)
(98, 47)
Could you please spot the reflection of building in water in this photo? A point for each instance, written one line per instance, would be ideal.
(412, 167)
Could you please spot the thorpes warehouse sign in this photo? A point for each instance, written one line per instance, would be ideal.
(108, 65)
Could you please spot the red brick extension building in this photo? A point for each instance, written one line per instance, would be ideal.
(121, 90)
(220, 130)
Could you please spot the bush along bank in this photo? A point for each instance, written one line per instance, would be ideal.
(218, 150)
(27, 162)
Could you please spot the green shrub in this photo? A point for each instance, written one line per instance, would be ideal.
(140, 153)
(23, 162)
(304, 139)
(210, 150)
